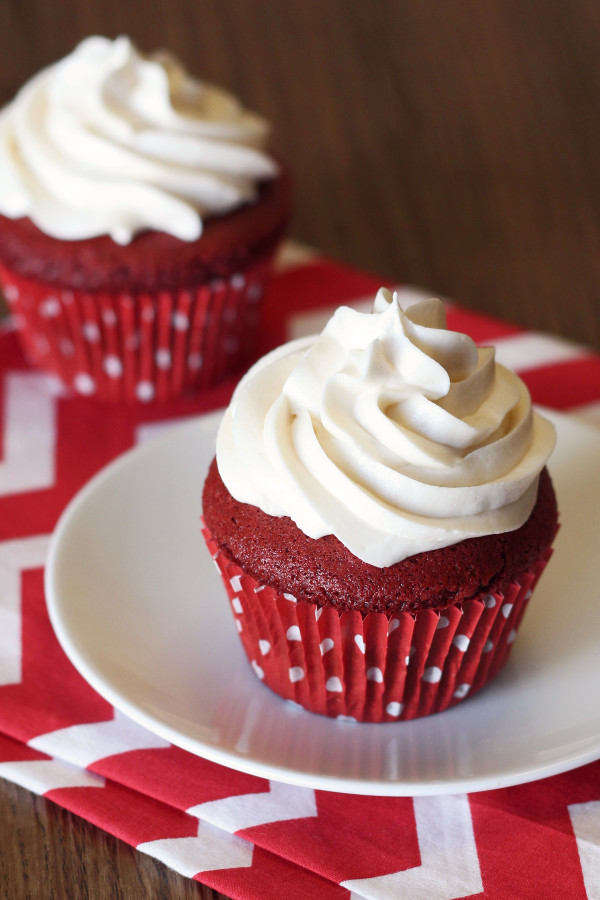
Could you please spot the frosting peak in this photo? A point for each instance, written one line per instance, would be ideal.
(109, 141)
(388, 431)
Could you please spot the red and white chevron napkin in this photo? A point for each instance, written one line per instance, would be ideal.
(244, 835)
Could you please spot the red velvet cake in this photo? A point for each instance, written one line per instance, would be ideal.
(380, 511)
(323, 572)
(153, 260)
(139, 216)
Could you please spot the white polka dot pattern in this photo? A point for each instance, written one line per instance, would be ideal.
(163, 359)
(141, 349)
(432, 674)
(50, 308)
(181, 322)
(113, 366)
(360, 643)
(237, 606)
(461, 641)
(91, 332)
(373, 668)
(145, 391)
(257, 669)
(375, 674)
(84, 383)
(67, 348)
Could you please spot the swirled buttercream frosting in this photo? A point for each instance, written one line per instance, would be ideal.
(389, 431)
(109, 141)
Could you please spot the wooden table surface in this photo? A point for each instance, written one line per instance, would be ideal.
(452, 145)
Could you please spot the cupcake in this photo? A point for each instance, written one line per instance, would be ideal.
(380, 510)
(139, 216)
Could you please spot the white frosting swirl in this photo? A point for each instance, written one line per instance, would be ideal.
(108, 141)
(388, 431)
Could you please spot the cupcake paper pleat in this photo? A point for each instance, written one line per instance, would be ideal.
(377, 667)
(151, 346)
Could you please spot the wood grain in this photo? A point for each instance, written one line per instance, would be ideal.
(46, 852)
(453, 145)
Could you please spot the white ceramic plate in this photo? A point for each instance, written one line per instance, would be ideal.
(138, 606)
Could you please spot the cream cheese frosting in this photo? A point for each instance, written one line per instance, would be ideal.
(109, 141)
(389, 431)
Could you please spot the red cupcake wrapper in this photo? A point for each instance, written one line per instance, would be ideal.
(142, 347)
(373, 668)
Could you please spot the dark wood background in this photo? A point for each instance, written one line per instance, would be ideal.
(452, 144)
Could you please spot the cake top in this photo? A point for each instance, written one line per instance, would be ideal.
(110, 141)
(388, 431)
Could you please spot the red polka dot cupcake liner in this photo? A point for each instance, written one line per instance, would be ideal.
(373, 668)
(142, 347)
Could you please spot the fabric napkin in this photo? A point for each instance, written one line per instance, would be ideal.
(246, 836)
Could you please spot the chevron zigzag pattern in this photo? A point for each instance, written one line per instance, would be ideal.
(238, 833)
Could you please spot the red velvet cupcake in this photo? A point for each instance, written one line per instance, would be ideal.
(380, 510)
(139, 217)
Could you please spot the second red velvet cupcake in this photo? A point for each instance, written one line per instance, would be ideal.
(139, 218)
